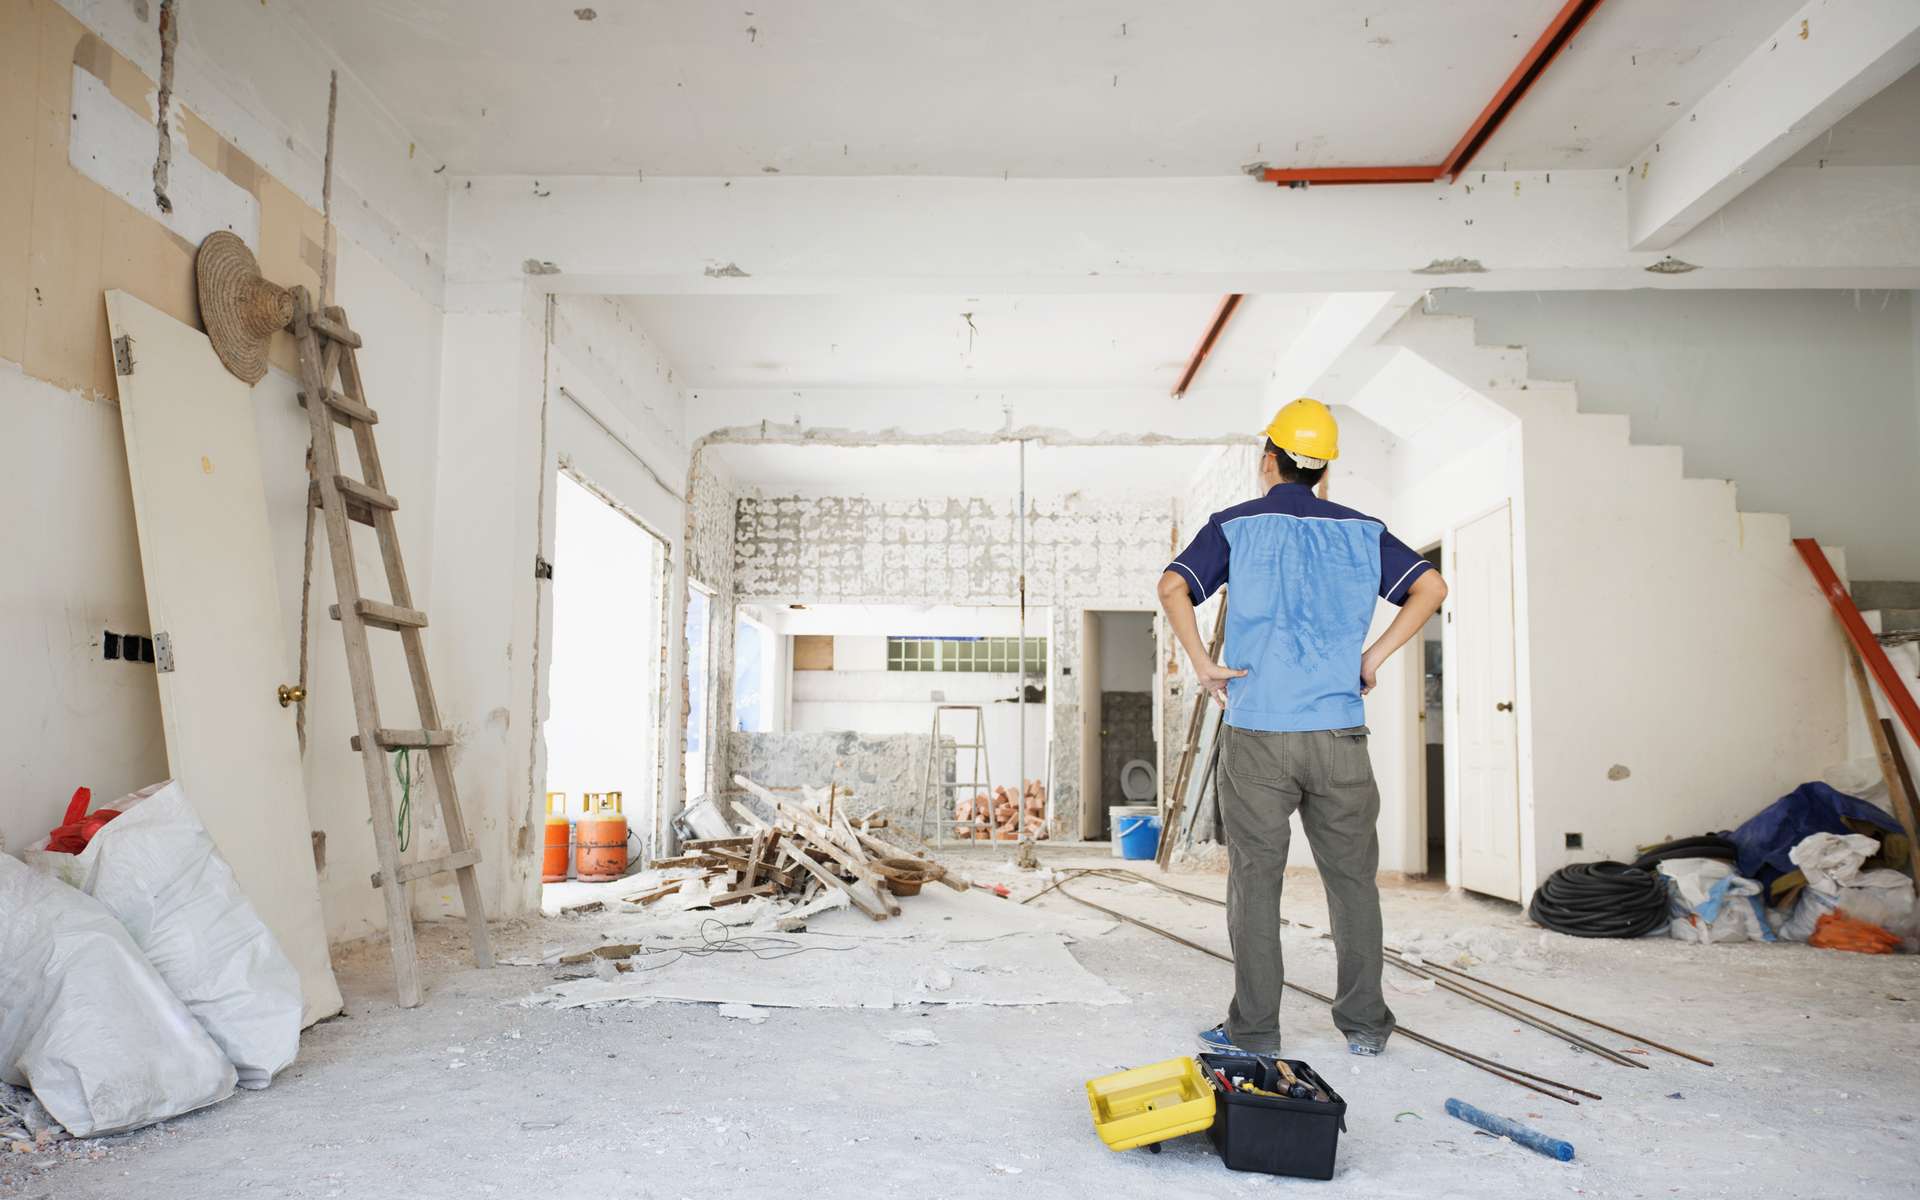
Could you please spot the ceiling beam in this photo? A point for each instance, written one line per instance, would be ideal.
(1823, 63)
(1208, 340)
(863, 235)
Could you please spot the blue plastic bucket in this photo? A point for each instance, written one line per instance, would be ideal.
(1139, 836)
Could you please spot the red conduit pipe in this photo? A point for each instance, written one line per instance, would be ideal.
(1558, 34)
(1200, 352)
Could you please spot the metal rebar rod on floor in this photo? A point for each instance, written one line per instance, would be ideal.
(1510, 1074)
(1136, 877)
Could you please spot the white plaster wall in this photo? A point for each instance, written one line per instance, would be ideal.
(1805, 399)
(68, 718)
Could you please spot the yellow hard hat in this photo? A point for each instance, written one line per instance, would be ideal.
(1305, 429)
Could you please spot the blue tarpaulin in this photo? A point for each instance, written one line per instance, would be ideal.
(1811, 808)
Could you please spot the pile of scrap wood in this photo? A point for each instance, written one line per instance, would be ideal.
(996, 819)
(810, 847)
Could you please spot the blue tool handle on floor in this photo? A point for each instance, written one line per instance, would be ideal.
(1532, 1139)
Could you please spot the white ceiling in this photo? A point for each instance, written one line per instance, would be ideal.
(1019, 341)
(993, 471)
(1067, 88)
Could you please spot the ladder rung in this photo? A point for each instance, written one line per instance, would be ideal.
(386, 616)
(370, 496)
(409, 872)
(408, 739)
(328, 327)
(346, 410)
(356, 511)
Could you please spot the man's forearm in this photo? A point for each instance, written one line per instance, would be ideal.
(1422, 602)
(1178, 605)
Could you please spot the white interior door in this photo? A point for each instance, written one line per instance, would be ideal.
(207, 557)
(1483, 733)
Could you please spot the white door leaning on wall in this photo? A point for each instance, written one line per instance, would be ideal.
(1484, 732)
(207, 555)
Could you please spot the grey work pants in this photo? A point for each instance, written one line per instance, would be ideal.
(1327, 777)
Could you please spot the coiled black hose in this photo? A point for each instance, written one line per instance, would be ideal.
(1603, 899)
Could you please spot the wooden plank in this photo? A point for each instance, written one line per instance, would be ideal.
(812, 652)
(717, 843)
(353, 489)
(407, 739)
(432, 866)
(334, 329)
(383, 616)
(824, 876)
(344, 409)
(933, 870)
(819, 837)
(742, 893)
(758, 848)
(1899, 799)
(744, 864)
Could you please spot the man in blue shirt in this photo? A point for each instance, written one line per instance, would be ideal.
(1305, 575)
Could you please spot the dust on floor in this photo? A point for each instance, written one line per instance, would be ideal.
(474, 1094)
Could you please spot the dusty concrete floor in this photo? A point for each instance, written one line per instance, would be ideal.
(1816, 1091)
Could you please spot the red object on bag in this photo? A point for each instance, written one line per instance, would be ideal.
(72, 836)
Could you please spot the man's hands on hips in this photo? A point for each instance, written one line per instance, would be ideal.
(1213, 677)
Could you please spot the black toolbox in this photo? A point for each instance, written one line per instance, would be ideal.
(1275, 1135)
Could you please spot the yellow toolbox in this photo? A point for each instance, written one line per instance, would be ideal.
(1146, 1105)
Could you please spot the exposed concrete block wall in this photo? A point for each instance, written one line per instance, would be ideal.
(965, 550)
(880, 770)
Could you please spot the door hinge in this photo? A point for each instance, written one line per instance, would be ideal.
(542, 569)
(163, 653)
(123, 355)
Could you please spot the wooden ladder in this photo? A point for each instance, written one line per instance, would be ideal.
(326, 347)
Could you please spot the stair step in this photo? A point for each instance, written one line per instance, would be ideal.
(408, 739)
(345, 410)
(409, 872)
(1885, 593)
(1612, 426)
(1654, 466)
(372, 497)
(1538, 398)
(384, 616)
(1760, 528)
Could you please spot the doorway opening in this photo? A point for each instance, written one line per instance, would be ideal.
(1433, 734)
(1120, 744)
(604, 729)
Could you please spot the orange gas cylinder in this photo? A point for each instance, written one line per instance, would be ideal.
(553, 863)
(600, 843)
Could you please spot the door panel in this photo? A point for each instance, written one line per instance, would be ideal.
(1481, 595)
(207, 557)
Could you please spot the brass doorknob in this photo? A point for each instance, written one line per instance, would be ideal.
(1504, 706)
(291, 693)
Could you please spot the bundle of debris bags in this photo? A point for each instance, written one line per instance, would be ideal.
(809, 847)
(999, 818)
(1816, 866)
(136, 981)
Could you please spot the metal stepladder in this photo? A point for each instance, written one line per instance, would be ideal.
(939, 795)
(326, 348)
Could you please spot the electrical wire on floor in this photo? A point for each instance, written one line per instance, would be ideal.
(1418, 967)
(762, 946)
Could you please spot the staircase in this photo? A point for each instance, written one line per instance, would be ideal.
(1659, 628)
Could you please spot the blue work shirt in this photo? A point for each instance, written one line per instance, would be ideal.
(1305, 573)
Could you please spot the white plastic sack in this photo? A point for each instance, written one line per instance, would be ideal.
(157, 870)
(86, 1021)
(1831, 862)
(1708, 902)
